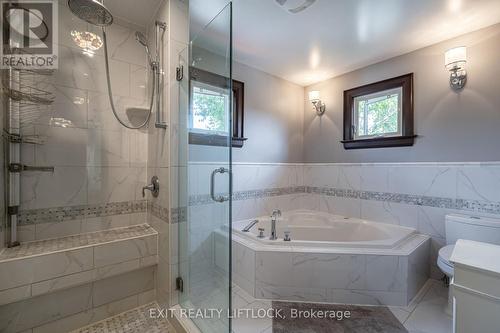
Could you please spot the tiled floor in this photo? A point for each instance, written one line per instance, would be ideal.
(424, 315)
(133, 321)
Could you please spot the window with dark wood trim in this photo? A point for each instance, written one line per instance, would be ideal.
(398, 133)
(218, 81)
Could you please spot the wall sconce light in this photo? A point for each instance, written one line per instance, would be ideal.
(454, 61)
(319, 106)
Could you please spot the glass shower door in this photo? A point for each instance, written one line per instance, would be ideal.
(204, 173)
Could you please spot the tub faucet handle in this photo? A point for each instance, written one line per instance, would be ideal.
(287, 236)
(276, 214)
(261, 233)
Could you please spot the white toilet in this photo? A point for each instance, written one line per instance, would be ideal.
(481, 229)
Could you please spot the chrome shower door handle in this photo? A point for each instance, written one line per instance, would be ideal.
(217, 198)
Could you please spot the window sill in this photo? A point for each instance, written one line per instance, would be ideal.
(382, 142)
(214, 140)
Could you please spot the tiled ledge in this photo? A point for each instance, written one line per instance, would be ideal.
(41, 267)
(68, 243)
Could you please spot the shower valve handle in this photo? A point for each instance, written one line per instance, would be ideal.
(154, 187)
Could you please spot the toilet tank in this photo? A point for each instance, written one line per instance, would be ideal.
(476, 228)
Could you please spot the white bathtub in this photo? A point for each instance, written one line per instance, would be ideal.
(318, 229)
(330, 259)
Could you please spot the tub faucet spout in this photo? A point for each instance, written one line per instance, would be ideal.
(276, 213)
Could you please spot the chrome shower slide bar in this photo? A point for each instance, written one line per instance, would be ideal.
(159, 74)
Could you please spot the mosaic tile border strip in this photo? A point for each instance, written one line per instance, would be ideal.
(408, 199)
(178, 215)
(59, 214)
(158, 211)
(204, 199)
(411, 199)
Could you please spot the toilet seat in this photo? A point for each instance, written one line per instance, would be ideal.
(443, 260)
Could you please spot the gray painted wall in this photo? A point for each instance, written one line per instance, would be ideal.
(274, 115)
(274, 110)
(281, 125)
(451, 126)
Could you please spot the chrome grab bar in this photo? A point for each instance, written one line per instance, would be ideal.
(217, 198)
(250, 225)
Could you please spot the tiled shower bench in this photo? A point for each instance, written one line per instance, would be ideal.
(41, 267)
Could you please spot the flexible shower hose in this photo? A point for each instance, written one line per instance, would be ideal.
(110, 92)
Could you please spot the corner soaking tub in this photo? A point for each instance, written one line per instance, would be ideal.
(330, 259)
(318, 229)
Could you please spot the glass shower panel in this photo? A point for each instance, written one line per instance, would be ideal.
(205, 173)
(3, 167)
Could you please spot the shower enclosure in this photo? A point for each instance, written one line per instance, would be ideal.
(82, 238)
(77, 245)
(204, 177)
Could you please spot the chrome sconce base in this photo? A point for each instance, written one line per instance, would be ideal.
(319, 107)
(458, 78)
(455, 60)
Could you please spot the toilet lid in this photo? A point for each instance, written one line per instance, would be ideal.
(445, 254)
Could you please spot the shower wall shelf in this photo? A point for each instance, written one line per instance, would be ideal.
(18, 167)
(29, 86)
(29, 93)
(26, 139)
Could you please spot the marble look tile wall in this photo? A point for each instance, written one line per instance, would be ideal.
(417, 195)
(111, 265)
(312, 276)
(257, 188)
(49, 265)
(96, 160)
(68, 309)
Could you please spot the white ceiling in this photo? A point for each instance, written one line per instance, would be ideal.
(333, 37)
(139, 12)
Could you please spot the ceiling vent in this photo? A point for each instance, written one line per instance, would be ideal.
(295, 6)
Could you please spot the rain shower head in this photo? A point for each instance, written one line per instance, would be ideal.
(91, 11)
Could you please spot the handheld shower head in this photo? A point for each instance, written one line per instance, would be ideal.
(139, 36)
(91, 11)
